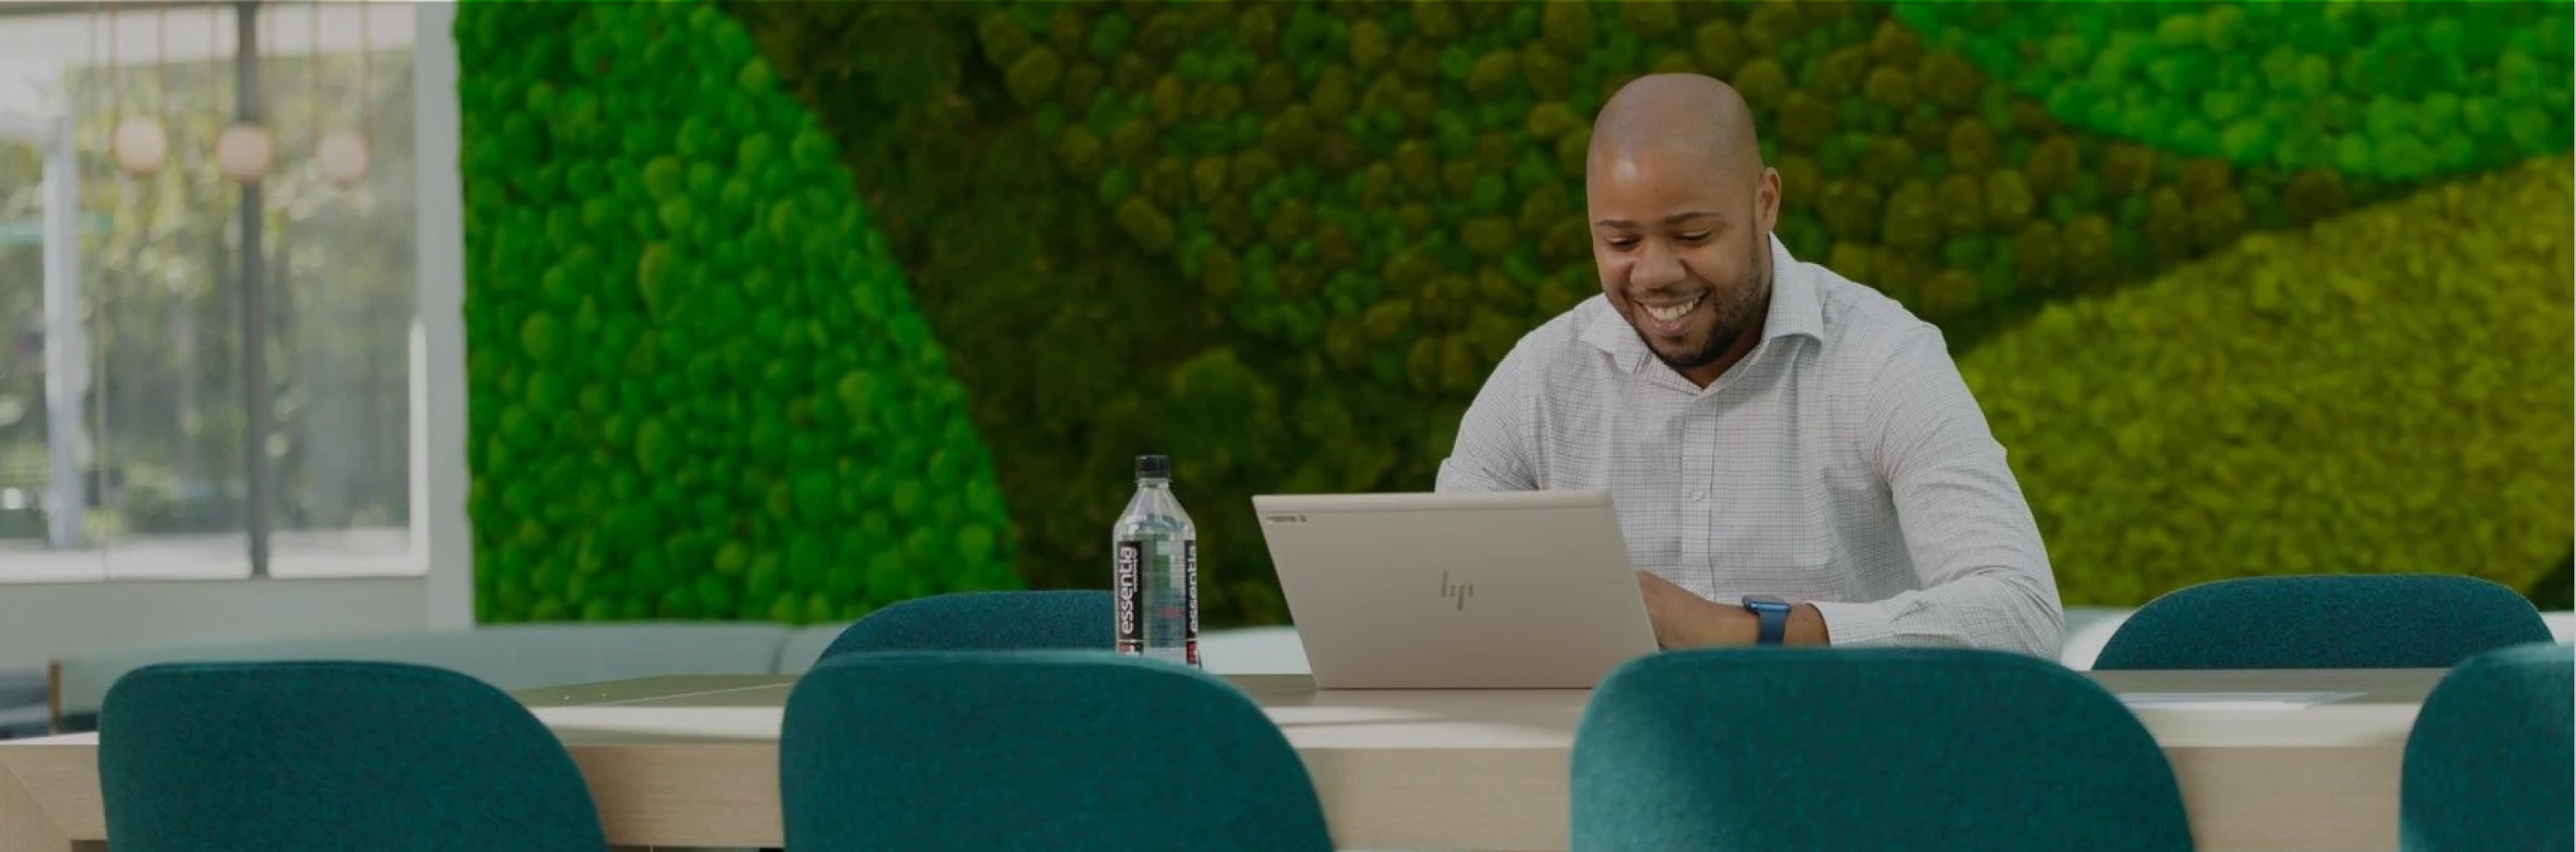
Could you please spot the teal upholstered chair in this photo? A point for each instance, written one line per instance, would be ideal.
(316, 755)
(1005, 620)
(1883, 749)
(2487, 763)
(1059, 750)
(2354, 621)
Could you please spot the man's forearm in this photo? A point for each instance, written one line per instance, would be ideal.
(1998, 609)
(1706, 623)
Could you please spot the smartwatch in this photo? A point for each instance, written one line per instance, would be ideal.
(1774, 613)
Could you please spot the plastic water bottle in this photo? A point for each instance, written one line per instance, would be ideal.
(1156, 554)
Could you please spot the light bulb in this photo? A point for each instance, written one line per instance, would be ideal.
(244, 152)
(140, 145)
(342, 156)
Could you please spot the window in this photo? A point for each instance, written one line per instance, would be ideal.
(126, 381)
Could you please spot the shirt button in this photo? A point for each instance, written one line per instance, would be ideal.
(1697, 495)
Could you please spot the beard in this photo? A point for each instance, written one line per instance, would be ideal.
(1732, 318)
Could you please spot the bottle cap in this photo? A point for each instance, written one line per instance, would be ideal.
(1153, 467)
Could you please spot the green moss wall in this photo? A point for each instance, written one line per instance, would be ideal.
(2310, 418)
(1284, 242)
(2392, 91)
(699, 385)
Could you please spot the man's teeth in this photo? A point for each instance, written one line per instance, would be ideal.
(1672, 313)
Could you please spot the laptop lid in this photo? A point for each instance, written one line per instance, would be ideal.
(1500, 590)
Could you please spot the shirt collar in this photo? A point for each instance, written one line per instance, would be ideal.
(1795, 311)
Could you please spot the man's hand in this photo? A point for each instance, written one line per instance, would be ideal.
(1685, 620)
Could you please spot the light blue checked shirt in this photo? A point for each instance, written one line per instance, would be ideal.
(1841, 463)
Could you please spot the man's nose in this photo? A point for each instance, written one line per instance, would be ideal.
(1657, 268)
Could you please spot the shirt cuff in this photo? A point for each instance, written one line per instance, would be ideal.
(1855, 624)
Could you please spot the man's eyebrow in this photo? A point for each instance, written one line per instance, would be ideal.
(1676, 218)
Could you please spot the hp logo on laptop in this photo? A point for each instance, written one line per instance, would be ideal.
(1461, 591)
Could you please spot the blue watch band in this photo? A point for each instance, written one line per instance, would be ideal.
(1774, 613)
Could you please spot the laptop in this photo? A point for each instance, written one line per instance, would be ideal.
(1504, 590)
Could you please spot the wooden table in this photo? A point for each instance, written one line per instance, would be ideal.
(692, 761)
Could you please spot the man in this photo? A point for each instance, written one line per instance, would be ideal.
(1794, 457)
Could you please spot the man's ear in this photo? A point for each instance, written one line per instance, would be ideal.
(1766, 199)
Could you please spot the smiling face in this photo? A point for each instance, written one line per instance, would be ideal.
(1682, 240)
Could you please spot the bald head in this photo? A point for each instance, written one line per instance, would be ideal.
(1681, 210)
(1690, 113)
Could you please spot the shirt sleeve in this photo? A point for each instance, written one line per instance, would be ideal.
(1491, 452)
(1985, 577)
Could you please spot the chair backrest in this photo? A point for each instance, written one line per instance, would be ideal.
(2487, 763)
(2335, 621)
(1063, 750)
(999, 620)
(1878, 748)
(312, 755)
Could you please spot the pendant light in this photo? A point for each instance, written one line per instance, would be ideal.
(140, 143)
(246, 150)
(341, 154)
